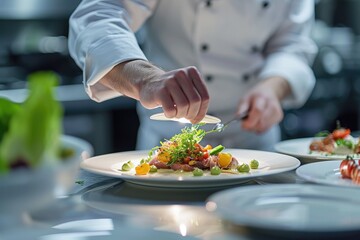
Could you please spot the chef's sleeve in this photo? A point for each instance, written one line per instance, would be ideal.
(290, 52)
(102, 35)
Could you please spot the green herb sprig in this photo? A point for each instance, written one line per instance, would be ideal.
(180, 145)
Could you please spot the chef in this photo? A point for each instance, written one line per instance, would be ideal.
(220, 57)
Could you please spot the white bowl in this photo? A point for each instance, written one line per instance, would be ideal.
(25, 190)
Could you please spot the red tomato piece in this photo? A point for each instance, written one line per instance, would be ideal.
(341, 133)
(355, 176)
(346, 167)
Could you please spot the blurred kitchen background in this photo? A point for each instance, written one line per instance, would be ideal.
(33, 36)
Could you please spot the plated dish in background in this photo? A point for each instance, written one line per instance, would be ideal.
(290, 210)
(337, 144)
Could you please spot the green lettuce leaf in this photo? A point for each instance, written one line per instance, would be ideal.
(35, 128)
(7, 110)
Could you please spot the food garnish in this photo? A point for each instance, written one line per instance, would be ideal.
(127, 166)
(184, 153)
(254, 164)
(243, 168)
(198, 172)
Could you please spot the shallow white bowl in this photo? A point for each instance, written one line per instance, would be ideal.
(25, 190)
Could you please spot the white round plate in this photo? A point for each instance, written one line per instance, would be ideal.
(110, 165)
(207, 119)
(290, 208)
(324, 173)
(299, 148)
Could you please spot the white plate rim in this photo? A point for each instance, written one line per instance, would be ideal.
(222, 199)
(108, 161)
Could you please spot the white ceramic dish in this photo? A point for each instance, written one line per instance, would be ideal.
(207, 119)
(290, 209)
(24, 190)
(110, 165)
(299, 148)
(327, 172)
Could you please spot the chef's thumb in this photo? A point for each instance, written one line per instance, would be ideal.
(243, 107)
(260, 104)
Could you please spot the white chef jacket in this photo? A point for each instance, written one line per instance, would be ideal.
(234, 44)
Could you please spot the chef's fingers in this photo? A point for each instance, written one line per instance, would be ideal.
(257, 106)
(165, 100)
(190, 103)
(203, 93)
(191, 93)
(178, 95)
(272, 115)
(243, 106)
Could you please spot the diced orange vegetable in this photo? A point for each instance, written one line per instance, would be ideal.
(142, 169)
(224, 159)
(207, 147)
(164, 156)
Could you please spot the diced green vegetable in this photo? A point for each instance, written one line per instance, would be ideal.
(215, 170)
(254, 164)
(243, 168)
(126, 167)
(216, 150)
(153, 169)
(197, 172)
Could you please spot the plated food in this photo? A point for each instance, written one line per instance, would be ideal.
(337, 142)
(184, 153)
(111, 165)
(182, 162)
(326, 172)
(324, 146)
(350, 169)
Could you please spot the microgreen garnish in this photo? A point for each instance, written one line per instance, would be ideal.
(322, 134)
(181, 145)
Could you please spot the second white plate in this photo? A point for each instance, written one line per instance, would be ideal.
(290, 209)
(324, 173)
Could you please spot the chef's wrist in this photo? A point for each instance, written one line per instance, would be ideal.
(279, 86)
(127, 77)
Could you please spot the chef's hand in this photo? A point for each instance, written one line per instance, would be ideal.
(263, 103)
(182, 93)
